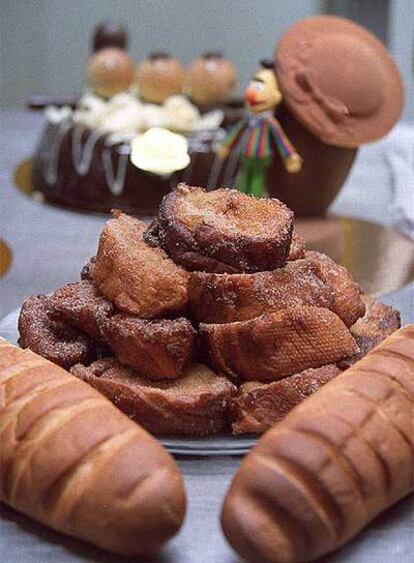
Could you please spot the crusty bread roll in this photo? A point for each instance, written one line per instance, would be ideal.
(71, 460)
(336, 461)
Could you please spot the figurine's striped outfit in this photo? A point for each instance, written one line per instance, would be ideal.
(255, 134)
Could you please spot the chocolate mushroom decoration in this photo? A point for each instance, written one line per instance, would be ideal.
(341, 89)
(109, 34)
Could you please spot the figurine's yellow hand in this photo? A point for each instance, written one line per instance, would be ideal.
(293, 163)
(223, 151)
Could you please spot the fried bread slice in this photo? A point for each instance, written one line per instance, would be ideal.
(48, 333)
(258, 406)
(83, 306)
(138, 279)
(157, 349)
(376, 325)
(273, 346)
(196, 404)
(223, 230)
(226, 298)
(349, 305)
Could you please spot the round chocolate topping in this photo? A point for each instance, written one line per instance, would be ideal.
(110, 34)
(339, 80)
(212, 55)
(159, 55)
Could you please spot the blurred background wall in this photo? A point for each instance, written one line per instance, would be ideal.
(45, 43)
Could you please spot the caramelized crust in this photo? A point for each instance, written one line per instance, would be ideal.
(46, 332)
(194, 405)
(297, 247)
(83, 306)
(225, 298)
(195, 262)
(233, 230)
(158, 349)
(378, 322)
(348, 303)
(139, 279)
(271, 347)
(258, 406)
(192, 261)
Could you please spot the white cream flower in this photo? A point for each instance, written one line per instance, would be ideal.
(122, 119)
(160, 151)
(89, 111)
(124, 114)
(181, 114)
(57, 115)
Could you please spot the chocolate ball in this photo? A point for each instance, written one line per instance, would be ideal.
(159, 77)
(110, 71)
(211, 79)
(110, 34)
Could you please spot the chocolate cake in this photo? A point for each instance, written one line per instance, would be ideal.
(84, 156)
(75, 166)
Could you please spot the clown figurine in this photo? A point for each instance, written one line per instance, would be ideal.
(254, 134)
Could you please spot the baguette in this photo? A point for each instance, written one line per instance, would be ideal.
(336, 461)
(71, 460)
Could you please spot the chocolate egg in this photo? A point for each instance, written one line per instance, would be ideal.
(109, 34)
(159, 77)
(211, 79)
(110, 71)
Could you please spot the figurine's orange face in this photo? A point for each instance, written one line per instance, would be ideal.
(262, 93)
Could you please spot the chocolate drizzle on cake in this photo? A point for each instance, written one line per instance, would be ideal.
(71, 158)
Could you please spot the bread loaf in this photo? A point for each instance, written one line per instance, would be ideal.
(336, 461)
(71, 460)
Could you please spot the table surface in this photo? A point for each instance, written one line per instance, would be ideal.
(49, 247)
